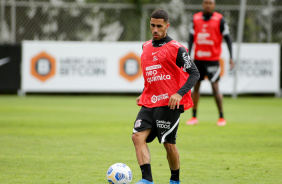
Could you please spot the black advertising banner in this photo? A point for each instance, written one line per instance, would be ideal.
(10, 61)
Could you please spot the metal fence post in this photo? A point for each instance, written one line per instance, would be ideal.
(239, 41)
(13, 21)
(2, 20)
(143, 25)
(269, 28)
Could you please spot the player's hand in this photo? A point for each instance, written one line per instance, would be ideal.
(174, 100)
(138, 99)
(231, 63)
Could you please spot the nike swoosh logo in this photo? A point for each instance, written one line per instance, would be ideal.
(4, 61)
(155, 53)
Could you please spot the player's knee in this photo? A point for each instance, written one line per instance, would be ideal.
(170, 147)
(136, 138)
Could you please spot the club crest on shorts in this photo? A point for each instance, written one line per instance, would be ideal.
(137, 123)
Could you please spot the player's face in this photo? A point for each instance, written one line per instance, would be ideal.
(158, 28)
(208, 6)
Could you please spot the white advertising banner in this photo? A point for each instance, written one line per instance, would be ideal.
(81, 67)
(258, 70)
(115, 67)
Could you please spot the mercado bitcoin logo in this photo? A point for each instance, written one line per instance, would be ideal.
(43, 66)
(130, 66)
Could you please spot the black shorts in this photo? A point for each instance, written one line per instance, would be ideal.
(162, 120)
(211, 69)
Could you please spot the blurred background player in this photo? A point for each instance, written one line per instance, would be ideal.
(206, 32)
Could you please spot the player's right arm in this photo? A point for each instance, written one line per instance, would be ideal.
(138, 99)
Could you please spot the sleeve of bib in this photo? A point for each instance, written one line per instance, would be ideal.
(183, 60)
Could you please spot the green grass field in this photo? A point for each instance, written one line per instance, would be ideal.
(74, 139)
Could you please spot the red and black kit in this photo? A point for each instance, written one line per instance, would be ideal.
(167, 69)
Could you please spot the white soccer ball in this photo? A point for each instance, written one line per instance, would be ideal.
(119, 173)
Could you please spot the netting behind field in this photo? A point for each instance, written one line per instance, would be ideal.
(81, 20)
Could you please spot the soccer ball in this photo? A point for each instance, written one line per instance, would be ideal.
(119, 173)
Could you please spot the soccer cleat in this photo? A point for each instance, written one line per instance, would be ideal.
(221, 122)
(192, 121)
(174, 182)
(144, 181)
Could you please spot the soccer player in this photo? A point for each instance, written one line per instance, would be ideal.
(207, 29)
(169, 75)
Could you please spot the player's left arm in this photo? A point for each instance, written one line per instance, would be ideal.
(224, 29)
(191, 37)
(183, 60)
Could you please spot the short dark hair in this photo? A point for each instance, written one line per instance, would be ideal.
(160, 14)
(213, 1)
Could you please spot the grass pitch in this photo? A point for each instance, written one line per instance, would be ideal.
(74, 139)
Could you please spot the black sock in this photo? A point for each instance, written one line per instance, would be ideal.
(174, 175)
(146, 172)
(221, 115)
(194, 112)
